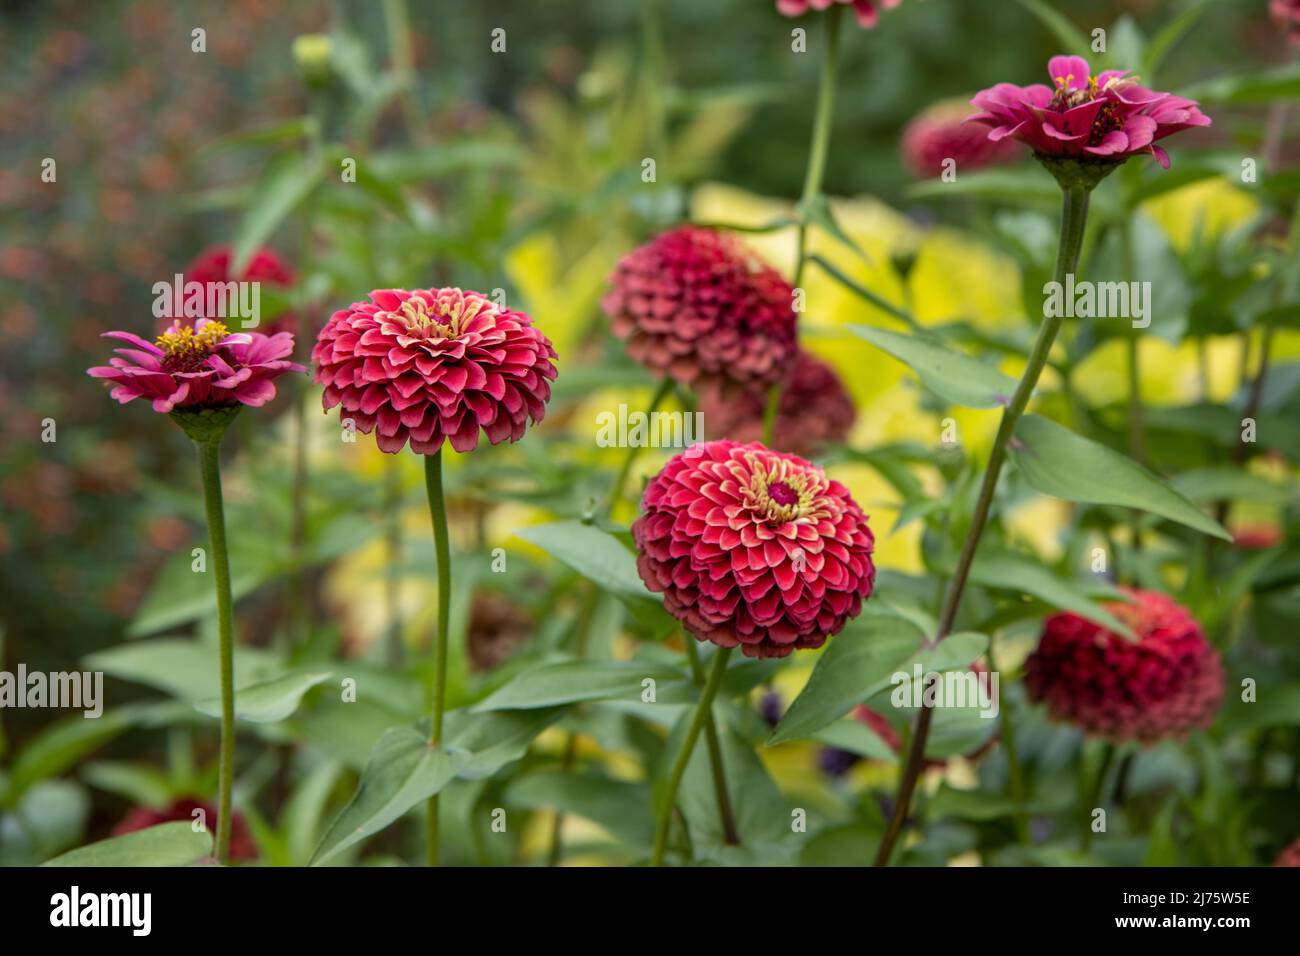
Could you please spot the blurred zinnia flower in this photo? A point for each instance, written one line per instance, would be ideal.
(1286, 14)
(1105, 118)
(1257, 537)
(242, 846)
(816, 409)
(204, 366)
(864, 9)
(699, 306)
(1165, 683)
(754, 548)
(941, 132)
(1290, 855)
(434, 364)
(212, 266)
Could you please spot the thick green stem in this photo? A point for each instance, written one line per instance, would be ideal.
(437, 690)
(703, 710)
(726, 816)
(821, 134)
(210, 468)
(393, 543)
(1074, 218)
(616, 491)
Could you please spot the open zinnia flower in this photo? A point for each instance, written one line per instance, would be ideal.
(1105, 118)
(204, 366)
(434, 364)
(697, 305)
(941, 132)
(212, 266)
(754, 548)
(815, 409)
(1165, 683)
(864, 9)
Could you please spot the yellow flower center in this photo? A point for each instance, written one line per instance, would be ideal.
(780, 492)
(185, 349)
(448, 319)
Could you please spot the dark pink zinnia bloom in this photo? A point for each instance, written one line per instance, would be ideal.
(1290, 855)
(242, 845)
(699, 306)
(865, 9)
(754, 548)
(816, 409)
(1164, 684)
(201, 367)
(1108, 117)
(434, 364)
(1286, 14)
(941, 132)
(213, 266)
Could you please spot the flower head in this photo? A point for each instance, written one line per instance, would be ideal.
(940, 133)
(1290, 855)
(864, 9)
(1104, 118)
(754, 548)
(1258, 537)
(1165, 683)
(434, 364)
(699, 306)
(198, 367)
(212, 267)
(815, 409)
(1286, 14)
(242, 845)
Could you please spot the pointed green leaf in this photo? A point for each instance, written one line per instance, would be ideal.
(1009, 572)
(958, 378)
(565, 682)
(267, 701)
(286, 183)
(168, 844)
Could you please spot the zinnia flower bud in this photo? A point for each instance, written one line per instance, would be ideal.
(699, 306)
(864, 9)
(431, 364)
(1084, 118)
(941, 133)
(815, 410)
(1165, 683)
(242, 845)
(199, 367)
(754, 548)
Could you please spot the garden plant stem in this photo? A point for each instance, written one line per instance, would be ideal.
(703, 711)
(616, 492)
(725, 814)
(1094, 795)
(210, 467)
(1074, 216)
(1015, 775)
(437, 691)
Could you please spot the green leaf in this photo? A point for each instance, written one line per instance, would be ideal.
(620, 806)
(286, 183)
(1261, 86)
(772, 225)
(864, 293)
(853, 735)
(1019, 187)
(1219, 484)
(1170, 34)
(60, 746)
(403, 772)
(168, 844)
(595, 554)
(267, 701)
(1066, 33)
(1008, 572)
(1057, 462)
(951, 375)
(565, 682)
(494, 739)
(818, 212)
(184, 668)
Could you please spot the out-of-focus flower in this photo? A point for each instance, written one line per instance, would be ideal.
(1286, 14)
(1290, 855)
(497, 628)
(754, 548)
(941, 132)
(771, 707)
(1257, 537)
(815, 410)
(1104, 118)
(1165, 683)
(699, 306)
(242, 846)
(198, 367)
(212, 266)
(865, 10)
(434, 364)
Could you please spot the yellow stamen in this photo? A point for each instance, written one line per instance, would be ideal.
(182, 342)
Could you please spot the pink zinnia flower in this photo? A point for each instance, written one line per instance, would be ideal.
(204, 366)
(213, 266)
(699, 306)
(1286, 14)
(434, 364)
(941, 132)
(815, 410)
(1165, 683)
(1107, 118)
(242, 845)
(754, 548)
(1290, 855)
(865, 9)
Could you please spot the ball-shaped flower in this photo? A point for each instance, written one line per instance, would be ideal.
(941, 133)
(434, 364)
(815, 410)
(754, 548)
(199, 367)
(1163, 684)
(865, 10)
(699, 306)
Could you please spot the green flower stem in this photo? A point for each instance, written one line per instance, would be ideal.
(1092, 796)
(393, 542)
(616, 492)
(1074, 218)
(210, 468)
(703, 710)
(1015, 774)
(821, 134)
(725, 813)
(437, 690)
(770, 410)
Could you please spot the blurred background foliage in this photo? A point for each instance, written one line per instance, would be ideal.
(522, 171)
